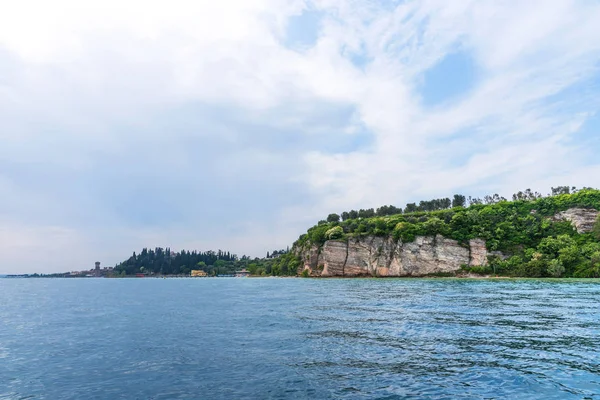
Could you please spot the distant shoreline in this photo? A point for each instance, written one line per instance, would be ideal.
(461, 277)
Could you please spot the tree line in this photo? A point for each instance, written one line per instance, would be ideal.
(167, 262)
(277, 253)
(159, 261)
(458, 200)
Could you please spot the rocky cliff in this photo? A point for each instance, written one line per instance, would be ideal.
(377, 256)
(426, 255)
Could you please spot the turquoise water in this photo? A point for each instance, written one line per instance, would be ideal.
(228, 338)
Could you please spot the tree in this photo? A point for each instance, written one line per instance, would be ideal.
(555, 268)
(425, 206)
(345, 216)
(368, 213)
(333, 218)
(527, 195)
(570, 257)
(596, 229)
(410, 208)
(252, 268)
(590, 269)
(459, 200)
(561, 190)
(535, 268)
(551, 246)
(475, 200)
(493, 199)
(387, 210)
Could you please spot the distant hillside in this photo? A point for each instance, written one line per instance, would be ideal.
(533, 236)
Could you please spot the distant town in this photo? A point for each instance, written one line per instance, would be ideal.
(109, 272)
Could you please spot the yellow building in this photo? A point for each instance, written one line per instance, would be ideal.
(198, 272)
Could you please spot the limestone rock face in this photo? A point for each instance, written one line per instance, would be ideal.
(479, 252)
(333, 258)
(377, 256)
(582, 219)
(310, 257)
(430, 255)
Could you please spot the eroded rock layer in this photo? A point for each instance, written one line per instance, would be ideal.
(377, 256)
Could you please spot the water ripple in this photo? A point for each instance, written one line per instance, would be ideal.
(299, 338)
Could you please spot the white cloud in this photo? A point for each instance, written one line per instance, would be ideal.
(527, 52)
(101, 100)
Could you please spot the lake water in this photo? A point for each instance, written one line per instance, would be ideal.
(229, 338)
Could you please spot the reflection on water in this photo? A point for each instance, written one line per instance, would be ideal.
(299, 338)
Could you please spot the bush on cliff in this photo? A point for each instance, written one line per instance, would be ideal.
(596, 230)
(334, 233)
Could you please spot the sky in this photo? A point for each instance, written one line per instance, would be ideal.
(238, 124)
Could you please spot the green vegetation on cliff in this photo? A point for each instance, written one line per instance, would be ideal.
(524, 229)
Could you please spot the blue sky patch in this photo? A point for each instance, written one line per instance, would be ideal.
(451, 78)
(303, 29)
(588, 140)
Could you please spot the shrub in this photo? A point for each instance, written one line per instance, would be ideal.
(555, 268)
(480, 270)
(335, 233)
(590, 269)
(552, 246)
(510, 265)
(405, 231)
(433, 226)
(535, 268)
(596, 230)
(317, 234)
(441, 274)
